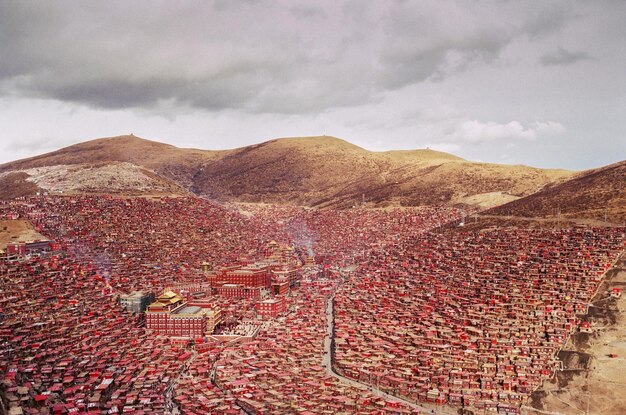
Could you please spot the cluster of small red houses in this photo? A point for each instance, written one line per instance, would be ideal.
(472, 320)
(280, 372)
(459, 318)
(66, 344)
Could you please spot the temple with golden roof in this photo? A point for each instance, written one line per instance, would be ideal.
(170, 315)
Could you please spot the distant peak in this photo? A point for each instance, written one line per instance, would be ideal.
(314, 139)
(426, 154)
(129, 139)
(326, 141)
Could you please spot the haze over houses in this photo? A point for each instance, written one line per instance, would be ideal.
(180, 305)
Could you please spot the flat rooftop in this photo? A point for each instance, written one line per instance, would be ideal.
(134, 295)
(190, 309)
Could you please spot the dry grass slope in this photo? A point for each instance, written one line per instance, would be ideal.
(15, 184)
(174, 163)
(591, 194)
(329, 172)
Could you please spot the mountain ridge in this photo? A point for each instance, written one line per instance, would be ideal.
(319, 171)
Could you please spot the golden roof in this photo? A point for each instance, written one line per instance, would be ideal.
(166, 298)
(168, 294)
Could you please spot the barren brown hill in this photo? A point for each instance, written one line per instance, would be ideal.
(172, 162)
(315, 171)
(15, 184)
(592, 194)
(327, 171)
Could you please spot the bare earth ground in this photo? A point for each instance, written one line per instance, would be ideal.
(592, 381)
(114, 178)
(485, 200)
(17, 230)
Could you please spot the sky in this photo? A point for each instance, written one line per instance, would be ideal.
(541, 83)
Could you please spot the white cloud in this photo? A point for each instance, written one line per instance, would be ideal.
(474, 131)
(548, 128)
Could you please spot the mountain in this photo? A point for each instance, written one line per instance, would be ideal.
(327, 171)
(315, 171)
(597, 194)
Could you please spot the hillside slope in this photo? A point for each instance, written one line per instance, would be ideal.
(597, 194)
(327, 171)
(105, 177)
(314, 171)
(172, 162)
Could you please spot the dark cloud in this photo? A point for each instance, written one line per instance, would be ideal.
(258, 56)
(436, 42)
(548, 19)
(562, 56)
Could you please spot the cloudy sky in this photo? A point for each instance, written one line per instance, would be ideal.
(541, 83)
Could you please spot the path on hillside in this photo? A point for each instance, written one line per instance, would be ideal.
(170, 406)
(328, 364)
